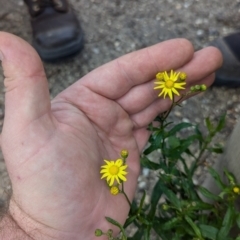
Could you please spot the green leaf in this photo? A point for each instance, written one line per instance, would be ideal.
(145, 162)
(134, 207)
(208, 231)
(226, 224)
(194, 227)
(217, 178)
(138, 234)
(198, 205)
(200, 136)
(155, 142)
(230, 176)
(178, 128)
(173, 142)
(198, 132)
(209, 125)
(115, 223)
(215, 149)
(167, 124)
(238, 220)
(170, 196)
(142, 202)
(170, 224)
(144, 220)
(147, 233)
(208, 194)
(183, 146)
(157, 226)
(129, 221)
(221, 123)
(156, 194)
(185, 143)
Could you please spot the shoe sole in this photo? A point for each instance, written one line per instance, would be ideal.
(59, 53)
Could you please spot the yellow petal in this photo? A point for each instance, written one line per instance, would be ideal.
(166, 92)
(175, 76)
(170, 94)
(158, 87)
(111, 182)
(161, 92)
(119, 162)
(109, 177)
(122, 177)
(123, 167)
(175, 91)
(107, 162)
(177, 85)
(104, 175)
(166, 77)
(117, 179)
(104, 166)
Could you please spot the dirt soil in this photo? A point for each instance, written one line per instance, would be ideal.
(114, 28)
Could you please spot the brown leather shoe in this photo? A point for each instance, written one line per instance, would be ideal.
(56, 30)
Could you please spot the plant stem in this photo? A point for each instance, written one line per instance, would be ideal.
(126, 195)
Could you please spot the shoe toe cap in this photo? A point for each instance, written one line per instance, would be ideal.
(56, 37)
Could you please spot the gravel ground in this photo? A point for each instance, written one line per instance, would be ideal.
(114, 28)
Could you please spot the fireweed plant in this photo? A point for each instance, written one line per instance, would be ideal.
(178, 209)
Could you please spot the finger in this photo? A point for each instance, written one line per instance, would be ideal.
(116, 78)
(147, 115)
(27, 96)
(203, 63)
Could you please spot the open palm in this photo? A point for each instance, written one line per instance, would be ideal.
(54, 151)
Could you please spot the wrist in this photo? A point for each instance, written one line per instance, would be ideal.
(9, 229)
(19, 225)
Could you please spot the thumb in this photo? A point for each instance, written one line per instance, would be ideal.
(27, 95)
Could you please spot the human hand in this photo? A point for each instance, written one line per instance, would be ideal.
(53, 151)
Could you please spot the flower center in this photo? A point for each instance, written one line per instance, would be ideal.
(113, 170)
(169, 83)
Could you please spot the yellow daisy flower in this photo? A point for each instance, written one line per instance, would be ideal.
(169, 83)
(114, 170)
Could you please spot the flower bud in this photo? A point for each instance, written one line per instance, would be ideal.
(203, 87)
(124, 153)
(110, 232)
(182, 76)
(197, 87)
(165, 207)
(160, 76)
(98, 232)
(236, 190)
(192, 89)
(194, 204)
(114, 190)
